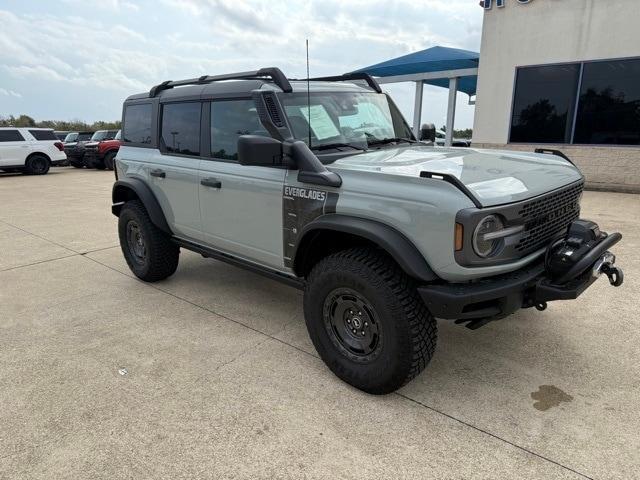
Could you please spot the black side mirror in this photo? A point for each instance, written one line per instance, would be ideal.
(428, 132)
(260, 151)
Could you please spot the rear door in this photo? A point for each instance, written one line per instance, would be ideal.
(172, 169)
(13, 148)
(241, 206)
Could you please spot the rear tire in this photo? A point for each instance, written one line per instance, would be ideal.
(149, 252)
(109, 160)
(37, 165)
(367, 321)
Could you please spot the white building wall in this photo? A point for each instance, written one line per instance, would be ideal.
(554, 31)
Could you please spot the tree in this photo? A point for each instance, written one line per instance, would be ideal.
(64, 125)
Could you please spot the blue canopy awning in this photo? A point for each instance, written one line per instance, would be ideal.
(431, 60)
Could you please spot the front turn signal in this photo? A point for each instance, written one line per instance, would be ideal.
(458, 237)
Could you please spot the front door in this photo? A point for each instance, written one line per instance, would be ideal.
(240, 206)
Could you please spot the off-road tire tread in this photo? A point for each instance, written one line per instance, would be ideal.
(376, 266)
(163, 254)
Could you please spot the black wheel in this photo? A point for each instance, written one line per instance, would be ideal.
(367, 321)
(149, 252)
(37, 165)
(98, 164)
(109, 160)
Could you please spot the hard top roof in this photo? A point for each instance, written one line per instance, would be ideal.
(243, 83)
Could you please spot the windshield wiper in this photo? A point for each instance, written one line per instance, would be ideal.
(385, 141)
(336, 145)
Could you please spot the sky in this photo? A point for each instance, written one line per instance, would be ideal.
(79, 59)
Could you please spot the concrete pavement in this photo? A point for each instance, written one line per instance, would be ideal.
(210, 374)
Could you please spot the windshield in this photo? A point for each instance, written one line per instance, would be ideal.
(71, 137)
(352, 119)
(83, 137)
(100, 135)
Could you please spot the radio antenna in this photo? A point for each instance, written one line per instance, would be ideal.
(308, 94)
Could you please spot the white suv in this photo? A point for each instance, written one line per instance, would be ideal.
(30, 150)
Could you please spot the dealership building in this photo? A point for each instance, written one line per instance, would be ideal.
(563, 75)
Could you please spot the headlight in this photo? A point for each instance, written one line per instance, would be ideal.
(485, 242)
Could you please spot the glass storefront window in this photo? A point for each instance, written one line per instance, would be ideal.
(544, 103)
(609, 106)
(608, 110)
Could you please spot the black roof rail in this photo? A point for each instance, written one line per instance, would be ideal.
(270, 72)
(350, 76)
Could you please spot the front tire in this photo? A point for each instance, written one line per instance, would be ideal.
(367, 321)
(149, 252)
(109, 160)
(37, 165)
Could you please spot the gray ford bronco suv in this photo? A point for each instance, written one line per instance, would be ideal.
(322, 185)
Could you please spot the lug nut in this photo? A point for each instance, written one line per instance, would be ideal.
(362, 332)
(366, 324)
(348, 320)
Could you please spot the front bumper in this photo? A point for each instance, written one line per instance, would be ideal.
(92, 156)
(496, 297)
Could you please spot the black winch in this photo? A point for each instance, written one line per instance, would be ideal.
(583, 247)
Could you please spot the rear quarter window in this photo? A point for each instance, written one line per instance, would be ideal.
(137, 124)
(10, 136)
(43, 134)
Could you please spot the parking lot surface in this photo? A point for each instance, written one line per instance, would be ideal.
(210, 374)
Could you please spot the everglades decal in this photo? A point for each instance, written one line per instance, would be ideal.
(299, 207)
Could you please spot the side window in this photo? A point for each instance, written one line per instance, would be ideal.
(10, 136)
(43, 134)
(229, 120)
(180, 130)
(137, 124)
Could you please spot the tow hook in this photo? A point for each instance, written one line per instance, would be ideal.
(606, 265)
(615, 274)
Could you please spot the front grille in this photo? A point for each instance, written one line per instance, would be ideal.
(548, 216)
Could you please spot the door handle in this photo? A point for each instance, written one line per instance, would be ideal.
(211, 182)
(158, 173)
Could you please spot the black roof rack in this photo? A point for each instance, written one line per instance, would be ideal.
(350, 76)
(270, 72)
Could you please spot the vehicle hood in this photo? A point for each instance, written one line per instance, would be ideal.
(494, 177)
(91, 144)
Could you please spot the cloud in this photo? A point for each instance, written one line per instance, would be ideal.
(100, 51)
(9, 93)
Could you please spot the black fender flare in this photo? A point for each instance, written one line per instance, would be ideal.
(401, 249)
(123, 190)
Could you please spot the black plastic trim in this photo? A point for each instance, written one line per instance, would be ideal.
(453, 180)
(120, 195)
(388, 238)
(557, 153)
(240, 262)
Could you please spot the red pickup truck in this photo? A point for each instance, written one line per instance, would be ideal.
(102, 149)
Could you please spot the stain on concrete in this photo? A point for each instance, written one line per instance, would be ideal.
(549, 396)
